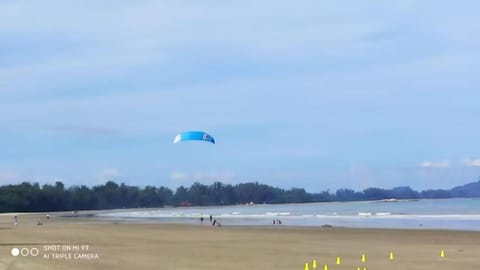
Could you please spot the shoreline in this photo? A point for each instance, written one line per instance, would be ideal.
(91, 218)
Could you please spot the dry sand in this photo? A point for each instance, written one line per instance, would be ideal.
(130, 246)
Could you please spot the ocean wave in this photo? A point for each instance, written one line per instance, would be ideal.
(277, 214)
(286, 215)
(444, 214)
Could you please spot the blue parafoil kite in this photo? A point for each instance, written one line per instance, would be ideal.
(193, 136)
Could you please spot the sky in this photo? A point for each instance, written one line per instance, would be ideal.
(312, 94)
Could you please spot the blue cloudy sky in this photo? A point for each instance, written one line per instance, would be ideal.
(314, 94)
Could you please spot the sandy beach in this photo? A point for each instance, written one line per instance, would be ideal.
(96, 244)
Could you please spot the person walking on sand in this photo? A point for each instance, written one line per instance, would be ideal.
(211, 218)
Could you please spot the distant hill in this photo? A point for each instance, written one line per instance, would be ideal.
(467, 190)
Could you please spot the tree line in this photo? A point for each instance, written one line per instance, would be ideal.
(34, 197)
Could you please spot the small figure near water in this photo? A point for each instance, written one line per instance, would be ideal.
(215, 223)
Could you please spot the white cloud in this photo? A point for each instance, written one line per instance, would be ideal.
(472, 162)
(448, 164)
(178, 176)
(433, 164)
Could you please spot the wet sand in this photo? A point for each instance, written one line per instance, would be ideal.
(166, 246)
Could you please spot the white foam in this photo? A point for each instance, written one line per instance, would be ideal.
(383, 214)
(276, 214)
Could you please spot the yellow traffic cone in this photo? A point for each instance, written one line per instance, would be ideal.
(325, 267)
(314, 264)
(442, 254)
(306, 266)
(358, 268)
(391, 257)
(364, 268)
(364, 258)
(339, 261)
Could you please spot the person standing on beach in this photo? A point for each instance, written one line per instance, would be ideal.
(211, 218)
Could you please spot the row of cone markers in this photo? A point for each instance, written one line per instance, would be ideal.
(363, 258)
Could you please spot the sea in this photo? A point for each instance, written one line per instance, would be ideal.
(450, 214)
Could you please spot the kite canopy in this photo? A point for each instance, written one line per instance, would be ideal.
(193, 136)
